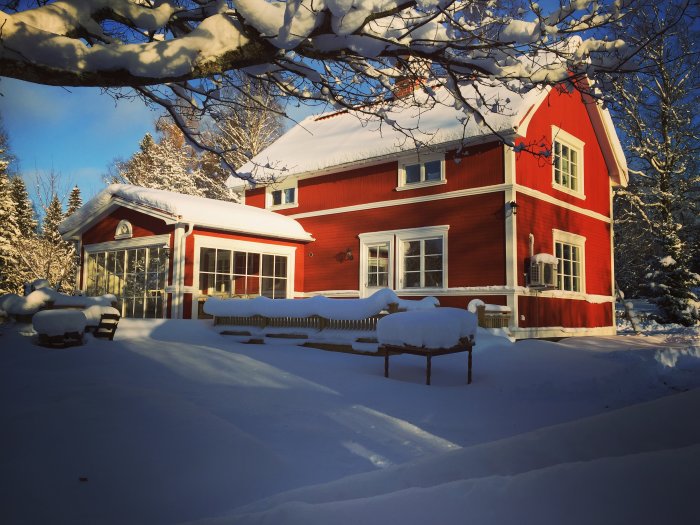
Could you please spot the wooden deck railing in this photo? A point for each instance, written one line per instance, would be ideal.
(492, 319)
(314, 322)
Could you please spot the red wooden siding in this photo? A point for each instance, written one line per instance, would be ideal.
(142, 226)
(568, 112)
(539, 218)
(569, 313)
(476, 240)
(482, 165)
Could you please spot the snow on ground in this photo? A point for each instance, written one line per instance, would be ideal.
(172, 422)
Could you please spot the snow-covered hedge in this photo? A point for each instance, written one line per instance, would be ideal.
(14, 304)
(437, 328)
(335, 309)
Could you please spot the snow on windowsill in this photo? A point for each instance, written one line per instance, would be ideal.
(417, 185)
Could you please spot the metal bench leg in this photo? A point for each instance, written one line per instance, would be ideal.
(386, 362)
(469, 367)
(427, 371)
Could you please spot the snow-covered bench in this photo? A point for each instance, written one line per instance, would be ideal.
(102, 321)
(59, 327)
(430, 333)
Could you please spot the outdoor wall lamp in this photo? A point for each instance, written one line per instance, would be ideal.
(348, 255)
(513, 207)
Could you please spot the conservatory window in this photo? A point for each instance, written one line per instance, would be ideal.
(569, 249)
(567, 169)
(136, 276)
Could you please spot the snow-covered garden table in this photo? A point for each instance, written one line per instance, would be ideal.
(427, 333)
(60, 327)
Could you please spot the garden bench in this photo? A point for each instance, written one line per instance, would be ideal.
(465, 345)
(107, 326)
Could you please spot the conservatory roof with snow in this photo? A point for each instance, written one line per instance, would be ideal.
(428, 118)
(178, 208)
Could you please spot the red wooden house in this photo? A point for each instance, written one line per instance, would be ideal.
(442, 207)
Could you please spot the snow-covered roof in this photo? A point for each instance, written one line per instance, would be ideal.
(429, 117)
(178, 208)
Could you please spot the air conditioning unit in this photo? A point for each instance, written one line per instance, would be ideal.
(543, 271)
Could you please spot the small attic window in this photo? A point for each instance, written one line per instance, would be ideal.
(124, 230)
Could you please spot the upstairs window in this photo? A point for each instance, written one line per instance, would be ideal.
(283, 195)
(567, 169)
(425, 171)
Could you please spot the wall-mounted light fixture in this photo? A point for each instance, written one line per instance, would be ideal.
(513, 207)
(348, 255)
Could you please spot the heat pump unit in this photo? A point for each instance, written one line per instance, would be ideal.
(543, 271)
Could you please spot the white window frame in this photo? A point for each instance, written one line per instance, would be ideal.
(221, 243)
(575, 144)
(290, 183)
(574, 240)
(396, 238)
(422, 160)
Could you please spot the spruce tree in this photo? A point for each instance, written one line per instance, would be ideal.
(52, 218)
(75, 201)
(9, 232)
(26, 221)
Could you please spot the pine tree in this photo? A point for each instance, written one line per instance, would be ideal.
(657, 214)
(26, 220)
(75, 201)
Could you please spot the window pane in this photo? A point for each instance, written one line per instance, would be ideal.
(411, 280)
(383, 279)
(433, 262)
(411, 248)
(433, 246)
(412, 173)
(289, 195)
(267, 287)
(277, 197)
(412, 264)
(138, 308)
(253, 264)
(433, 279)
(432, 170)
(223, 261)
(280, 266)
(372, 279)
(239, 263)
(222, 284)
(238, 285)
(268, 265)
(280, 288)
(206, 283)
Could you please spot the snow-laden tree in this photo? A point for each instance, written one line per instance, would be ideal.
(75, 201)
(172, 164)
(26, 216)
(657, 214)
(245, 125)
(9, 232)
(341, 52)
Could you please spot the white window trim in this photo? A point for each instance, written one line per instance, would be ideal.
(202, 241)
(577, 240)
(134, 242)
(281, 186)
(567, 139)
(395, 239)
(369, 239)
(422, 159)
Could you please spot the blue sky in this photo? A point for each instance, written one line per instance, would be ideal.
(77, 132)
